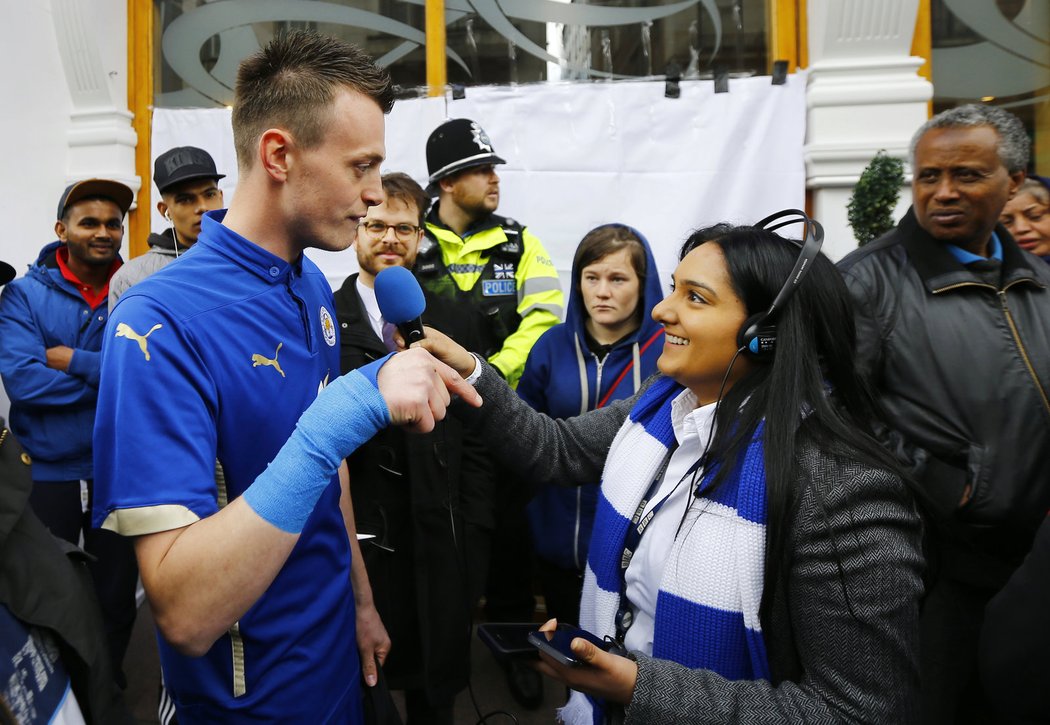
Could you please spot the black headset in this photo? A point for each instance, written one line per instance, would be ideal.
(758, 335)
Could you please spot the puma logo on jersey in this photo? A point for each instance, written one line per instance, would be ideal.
(123, 330)
(258, 360)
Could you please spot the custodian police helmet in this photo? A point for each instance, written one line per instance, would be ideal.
(456, 145)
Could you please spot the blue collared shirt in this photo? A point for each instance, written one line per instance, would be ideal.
(966, 257)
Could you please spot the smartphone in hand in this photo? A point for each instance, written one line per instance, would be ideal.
(557, 643)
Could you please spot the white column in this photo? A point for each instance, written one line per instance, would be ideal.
(864, 94)
(92, 44)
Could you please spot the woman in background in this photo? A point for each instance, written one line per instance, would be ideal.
(603, 351)
(1027, 216)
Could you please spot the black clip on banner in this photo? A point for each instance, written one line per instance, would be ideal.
(721, 78)
(672, 86)
(459, 92)
(780, 72)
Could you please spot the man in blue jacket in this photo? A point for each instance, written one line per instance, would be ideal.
(51, 322)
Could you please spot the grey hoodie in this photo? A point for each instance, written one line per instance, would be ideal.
(162, 252)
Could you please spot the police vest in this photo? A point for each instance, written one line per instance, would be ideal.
(482, 317)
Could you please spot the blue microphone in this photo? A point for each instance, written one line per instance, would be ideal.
(401, 301)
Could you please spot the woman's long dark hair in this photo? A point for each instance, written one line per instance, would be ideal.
(809, 391)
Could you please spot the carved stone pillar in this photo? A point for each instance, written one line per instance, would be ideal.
(864, 94)
(101, 140)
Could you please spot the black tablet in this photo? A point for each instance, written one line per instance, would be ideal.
(509, 640)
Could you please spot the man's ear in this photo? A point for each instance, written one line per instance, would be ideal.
(274, 153)
(60, 230)
(162, 207)
(446, 183)
(1016, 179)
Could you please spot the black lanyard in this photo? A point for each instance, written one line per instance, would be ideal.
(635, 530)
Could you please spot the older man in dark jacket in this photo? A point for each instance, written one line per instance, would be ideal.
(954, 330)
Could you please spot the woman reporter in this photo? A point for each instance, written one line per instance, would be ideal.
(779, 578)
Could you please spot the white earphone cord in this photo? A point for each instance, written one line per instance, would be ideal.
(174, 234)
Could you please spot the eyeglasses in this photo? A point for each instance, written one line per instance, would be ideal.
(377, 230)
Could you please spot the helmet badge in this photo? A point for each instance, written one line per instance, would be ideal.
(480, 137)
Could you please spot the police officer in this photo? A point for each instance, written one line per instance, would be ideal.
(492, 287)
(492, 281)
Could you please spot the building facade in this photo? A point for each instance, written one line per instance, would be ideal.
(89, 73)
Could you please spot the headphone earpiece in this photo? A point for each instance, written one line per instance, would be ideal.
(167, 215)
(757, 337)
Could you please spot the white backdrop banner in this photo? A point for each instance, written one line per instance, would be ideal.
(579, 155)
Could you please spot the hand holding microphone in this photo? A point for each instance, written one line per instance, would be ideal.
(401, 302)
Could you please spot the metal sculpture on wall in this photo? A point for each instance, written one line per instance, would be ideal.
(226, 25)
(994, 51)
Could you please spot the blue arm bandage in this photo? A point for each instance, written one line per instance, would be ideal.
(346, 414)
(371, 370)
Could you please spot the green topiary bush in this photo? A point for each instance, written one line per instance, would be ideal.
(875, 197)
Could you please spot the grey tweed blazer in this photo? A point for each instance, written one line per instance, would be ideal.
(855, 545)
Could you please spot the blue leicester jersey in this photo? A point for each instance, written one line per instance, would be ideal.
(214, 358)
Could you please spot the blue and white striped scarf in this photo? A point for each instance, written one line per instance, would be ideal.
(707, 608)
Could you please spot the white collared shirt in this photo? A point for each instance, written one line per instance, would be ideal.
(368, 299)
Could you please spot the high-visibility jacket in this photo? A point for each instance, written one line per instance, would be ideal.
(494, 290)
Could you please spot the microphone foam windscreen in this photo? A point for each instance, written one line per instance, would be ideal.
(399, 295)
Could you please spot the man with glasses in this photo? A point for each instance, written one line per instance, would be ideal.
(421, 496)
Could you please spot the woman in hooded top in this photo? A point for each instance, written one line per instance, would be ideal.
(605, 349)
